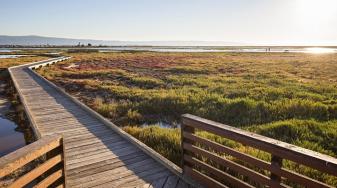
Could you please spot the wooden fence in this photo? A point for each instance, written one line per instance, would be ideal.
(40, 163)
(217, 165)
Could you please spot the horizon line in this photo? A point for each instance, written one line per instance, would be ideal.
(144, 41)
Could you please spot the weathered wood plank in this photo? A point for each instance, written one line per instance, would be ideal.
(207, 181)
(66, 127)
(99, 157)
(182, 184)
(307, 157)
(22, 156)
(85, 121)
(50, 179)
(45, 112)
(60, 186)
(298, 178)
(91, 149)
(57, 115)
(140, 178)
(116, 174)
(145, 178)
(254, 176)
(171, 181)
(69, 124)
(80, 130)
(90, 142)
(89, 135)
(69, 117)
(36, 172)
(224, 149)
(105, 165)
(217, 173)
(51, 106)
(97, 151)
(159, 183)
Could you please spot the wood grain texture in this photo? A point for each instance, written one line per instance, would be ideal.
(294, 153)
(95, 155)
(36, 172)
(211, 161)
(22, 156)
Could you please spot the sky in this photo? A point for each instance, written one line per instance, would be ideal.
(256, 22)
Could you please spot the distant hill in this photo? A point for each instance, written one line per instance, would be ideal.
(31, 40)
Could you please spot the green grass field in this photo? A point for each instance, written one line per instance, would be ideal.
(287, 96)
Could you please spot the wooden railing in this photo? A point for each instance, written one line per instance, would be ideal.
(40, 164)
(209, 161)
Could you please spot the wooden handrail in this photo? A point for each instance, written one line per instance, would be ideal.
(48, 149)
(196, 147)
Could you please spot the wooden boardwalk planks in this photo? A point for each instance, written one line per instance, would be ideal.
(95, 155)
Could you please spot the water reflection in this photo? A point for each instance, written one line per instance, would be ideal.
(14, 134)
(237, 49)
(11, 56)
(10, 139)
(162, 123)
(317, 50)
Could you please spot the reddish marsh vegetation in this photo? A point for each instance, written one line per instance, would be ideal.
(287, 96)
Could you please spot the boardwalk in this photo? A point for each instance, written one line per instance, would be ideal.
(97, 153)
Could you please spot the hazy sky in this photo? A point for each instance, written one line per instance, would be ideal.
(307, 22)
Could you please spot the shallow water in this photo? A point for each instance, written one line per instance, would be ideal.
(11, 56)
(163, 124)
(10, 139)
(6, 50)
(225, 49)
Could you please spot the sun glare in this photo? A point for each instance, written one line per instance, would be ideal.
(317, 50)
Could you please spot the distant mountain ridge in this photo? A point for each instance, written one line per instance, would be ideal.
(33, 40)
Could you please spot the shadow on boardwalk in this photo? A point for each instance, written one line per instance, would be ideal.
(95, 155)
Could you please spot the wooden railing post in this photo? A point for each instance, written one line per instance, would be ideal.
(205, 160)
(189, 129)
(276, 163)
(49, 148)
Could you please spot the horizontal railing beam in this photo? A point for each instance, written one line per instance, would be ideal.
(291, 152)
(210, 182)
(50, 179)
(258, 178)
(224, 149)
(36, 172)
(22, 156)
(220, 174)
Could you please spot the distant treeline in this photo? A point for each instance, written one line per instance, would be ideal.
(50, 46)
(82, 50)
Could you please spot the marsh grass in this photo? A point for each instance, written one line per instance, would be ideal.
(166, 141)
(9, 62)
(287, 96)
